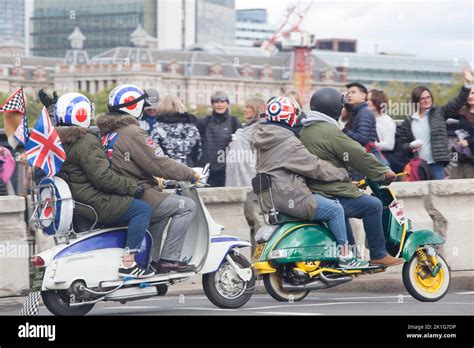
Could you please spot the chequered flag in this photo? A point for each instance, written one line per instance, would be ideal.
(31, 305)
(15, 103)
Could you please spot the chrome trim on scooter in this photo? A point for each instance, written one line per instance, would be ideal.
(322, 283)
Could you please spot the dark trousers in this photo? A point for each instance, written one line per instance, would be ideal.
(369, 209)
(217, 179)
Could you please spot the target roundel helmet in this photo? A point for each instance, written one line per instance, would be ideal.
(73, 109)
(127, 99)
(283, 110)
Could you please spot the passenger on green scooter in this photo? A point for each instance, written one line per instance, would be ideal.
(282, 156)
(322, 137)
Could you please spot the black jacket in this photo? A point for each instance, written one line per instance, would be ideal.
(363, 127)
(216, 133)
(437, 121)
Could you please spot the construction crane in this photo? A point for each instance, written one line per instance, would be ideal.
(290, 37)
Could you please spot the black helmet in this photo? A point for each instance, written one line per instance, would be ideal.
(328, 101)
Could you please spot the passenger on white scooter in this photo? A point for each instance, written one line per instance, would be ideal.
(92, 182)
(282, 156)
(134, 154)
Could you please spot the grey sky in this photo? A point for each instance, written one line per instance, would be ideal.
(426, 28)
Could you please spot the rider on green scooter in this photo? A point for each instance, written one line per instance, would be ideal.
(282, 156)
(322, 137)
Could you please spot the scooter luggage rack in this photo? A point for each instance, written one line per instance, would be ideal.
(259, 187)
(39, 204)
(44, 204)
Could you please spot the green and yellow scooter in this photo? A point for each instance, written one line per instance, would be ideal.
(295, 256)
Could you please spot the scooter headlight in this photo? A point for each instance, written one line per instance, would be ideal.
(430, 251)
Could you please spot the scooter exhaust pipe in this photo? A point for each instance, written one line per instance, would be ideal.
(323, 283)
(133, 293)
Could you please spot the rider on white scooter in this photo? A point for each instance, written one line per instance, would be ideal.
(134, 154)
(114, 198)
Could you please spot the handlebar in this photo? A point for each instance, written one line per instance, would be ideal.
(362, 184)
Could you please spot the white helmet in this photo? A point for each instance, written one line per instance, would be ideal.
(73, 109)
(128, 99)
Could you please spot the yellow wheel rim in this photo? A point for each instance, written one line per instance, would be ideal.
(429, 284)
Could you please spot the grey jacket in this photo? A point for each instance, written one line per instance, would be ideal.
(282, 156)
(240, 159)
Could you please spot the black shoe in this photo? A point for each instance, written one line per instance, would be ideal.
(165, 266)
(154, 266)
(135, 272)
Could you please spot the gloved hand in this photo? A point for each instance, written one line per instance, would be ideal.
(201, 181)
(160, 182)
(139, 192)
(46, 99)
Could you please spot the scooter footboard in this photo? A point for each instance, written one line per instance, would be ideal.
(218, 249)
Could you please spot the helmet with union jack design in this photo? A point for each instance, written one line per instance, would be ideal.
(73, 109)
(127, 99)
(283, 110)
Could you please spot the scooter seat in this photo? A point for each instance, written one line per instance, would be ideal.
(287, 218)
(81, 224)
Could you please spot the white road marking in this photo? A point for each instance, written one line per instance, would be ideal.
(313, 305)
(208, 309)
(368, 297)
(287, 313)
(465, 293)
(131, 307)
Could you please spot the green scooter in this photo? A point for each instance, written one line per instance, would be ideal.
(294, 256)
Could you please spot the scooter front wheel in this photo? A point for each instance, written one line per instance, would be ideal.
(57, 302)
(224, 288)
(421, 284)
(273, 285)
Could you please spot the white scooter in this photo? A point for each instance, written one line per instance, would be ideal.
(82, 269)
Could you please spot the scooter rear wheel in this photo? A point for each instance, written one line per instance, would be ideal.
(57, 302)
(273, 285)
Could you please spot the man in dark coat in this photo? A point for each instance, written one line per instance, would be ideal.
(361, 126)
(216, 133)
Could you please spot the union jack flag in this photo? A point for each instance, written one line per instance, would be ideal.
(44, 149)
(108, 141)
(21, 133)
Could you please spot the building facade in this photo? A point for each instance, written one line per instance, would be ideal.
(338, 45)
(106, 24)
(12, 21)
(195, 73)
(252, 28)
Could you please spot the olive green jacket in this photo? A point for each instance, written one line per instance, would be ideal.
(90, 178)
(322, 137)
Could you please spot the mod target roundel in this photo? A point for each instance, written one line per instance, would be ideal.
(274, 108)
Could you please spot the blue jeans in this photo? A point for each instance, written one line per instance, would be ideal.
(369, 209)
(138, 217)
(438, 170)
(331, 210)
